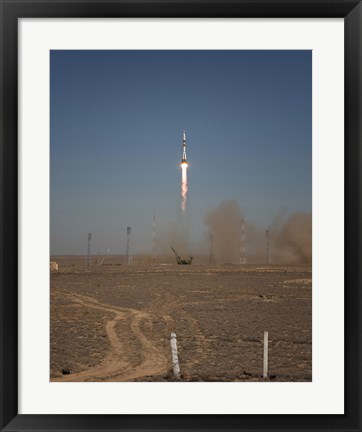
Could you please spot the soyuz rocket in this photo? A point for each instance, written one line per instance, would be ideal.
(183, 148)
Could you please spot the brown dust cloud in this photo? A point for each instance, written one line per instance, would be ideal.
(290, 236)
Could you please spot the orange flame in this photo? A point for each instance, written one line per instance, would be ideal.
(184, 186)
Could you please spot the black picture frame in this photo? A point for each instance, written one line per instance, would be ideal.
(11, 11)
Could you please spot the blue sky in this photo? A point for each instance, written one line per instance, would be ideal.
(116, 140)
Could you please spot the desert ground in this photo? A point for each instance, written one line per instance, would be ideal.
(112, 322)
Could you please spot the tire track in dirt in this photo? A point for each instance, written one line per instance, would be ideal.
(118, 366)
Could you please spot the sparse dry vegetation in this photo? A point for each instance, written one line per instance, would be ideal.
(113, 323)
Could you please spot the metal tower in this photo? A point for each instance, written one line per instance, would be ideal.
(211, 256)
(154, 237)
(128, 251)
(267, 247)
(89, 255)
(242, 243)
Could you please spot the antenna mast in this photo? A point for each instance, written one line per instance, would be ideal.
(267, 247)
(154, 237)
(128, 251)
(242, 243)
(89, 255)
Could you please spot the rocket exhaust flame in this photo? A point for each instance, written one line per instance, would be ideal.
(184, 166)
(184, 186)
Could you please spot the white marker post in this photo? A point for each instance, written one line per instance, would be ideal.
(265, 366)
(175, 363)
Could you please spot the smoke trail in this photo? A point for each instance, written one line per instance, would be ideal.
(184, 186)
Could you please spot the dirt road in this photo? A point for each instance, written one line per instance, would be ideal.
(113, 323)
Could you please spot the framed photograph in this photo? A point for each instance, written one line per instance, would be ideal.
(180, 215)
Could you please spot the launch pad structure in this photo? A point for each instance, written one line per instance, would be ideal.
(181, 261)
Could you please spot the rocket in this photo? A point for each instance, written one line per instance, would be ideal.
(184, 148)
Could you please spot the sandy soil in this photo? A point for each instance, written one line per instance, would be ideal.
(113, 322)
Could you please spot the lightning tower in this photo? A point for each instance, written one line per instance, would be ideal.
(128, 251)
(89, 255)
(242, 243)
(211, 255)
(267, 247)
(154, 237)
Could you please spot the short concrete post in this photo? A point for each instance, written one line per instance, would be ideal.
(265, 365)
(175, 363)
